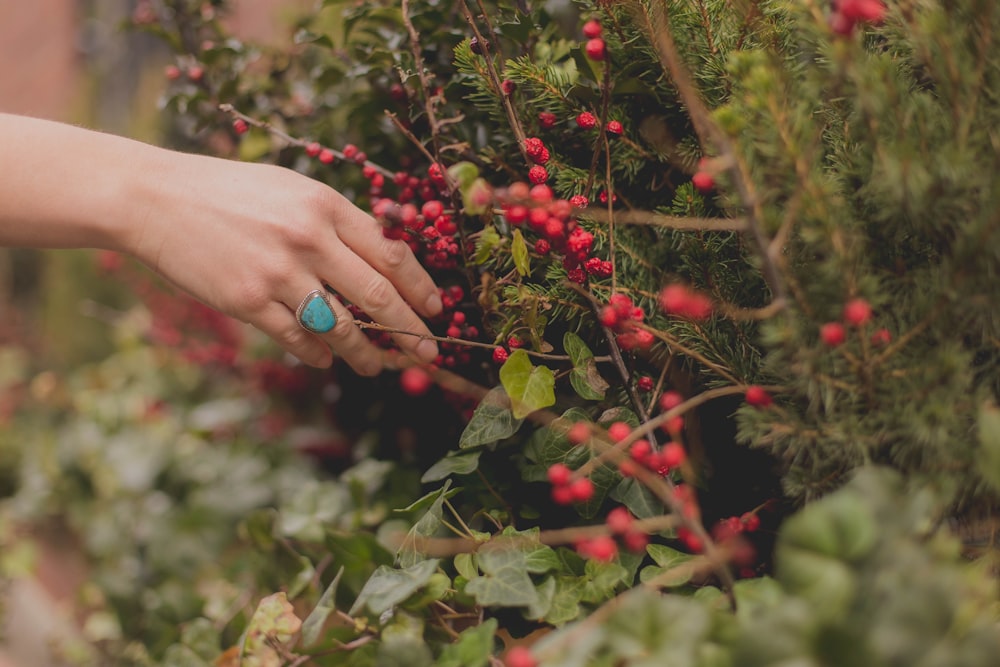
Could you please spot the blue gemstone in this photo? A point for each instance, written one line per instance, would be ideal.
(316, 315)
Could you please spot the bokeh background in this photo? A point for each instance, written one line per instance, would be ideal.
(75, 61)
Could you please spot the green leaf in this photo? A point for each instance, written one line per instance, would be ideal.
(565, 600)
(493, 420)
(463, 173)
(388, 586)
(473, 647)
(519, 251)
(529, 387)
(453, 463)
(666, 560)
(488, 239)
(585, 378)
(313, 624)
(577, 350)
(637, 498)
(505, 581)
(465, 565)
(601, 581)
(989, 440)
(426, 526)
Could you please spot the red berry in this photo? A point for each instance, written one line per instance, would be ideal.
(635, 541)
(603, 549)
(326, 156)
(547, 119)
(670, 400)
(172, 72)
(500, 355)
(619, 520)
(832, 334)
(609, 317)
(627, 468)
(643, 339)
(313, 149)
(703, 181)
(508, 87)
(592, 29)
(615, 128)
(415, 381)
(579, 201)
(350, 151)
(240, 126)
(881, 337)
(619, 431)
(541, 194)
(519, 656)
(582, 489)
(578, 433)
(596, 49)
(758, 397)
(577, 275)
(543, 156)
(533, 146)
(689, 539)
(432, 210)
(538, 174)
(559, 474)
(750, 521)
(674, 426)
(867, 11)
(673, 455)
(196, 72)
(543, 247)
(645, 383)
(586, 120)
(562, 495)
(640, 451)
(857, 312)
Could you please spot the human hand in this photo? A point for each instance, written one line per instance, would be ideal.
(253, 240)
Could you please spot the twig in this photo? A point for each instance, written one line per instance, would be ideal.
(652, 219)
(694, 354)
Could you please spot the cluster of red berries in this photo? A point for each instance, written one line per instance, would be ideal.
(604, 548)
(595, 48)
(682, 301)
(624, 317)
(567, 489)
(849, 13)
(857, 313)
(193, 72)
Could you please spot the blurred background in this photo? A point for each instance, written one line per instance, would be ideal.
(76, 61)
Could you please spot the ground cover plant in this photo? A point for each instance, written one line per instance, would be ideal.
(719, 357)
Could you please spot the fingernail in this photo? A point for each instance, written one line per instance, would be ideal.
(427, 350)
(433, 305)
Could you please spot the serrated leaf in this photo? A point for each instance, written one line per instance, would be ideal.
(492, 420)
(453, 463)
(529, 387)
(519, 251)
(313, 624)
(505, 581)
(389, 586)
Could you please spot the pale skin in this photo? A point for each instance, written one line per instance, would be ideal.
(249, 240)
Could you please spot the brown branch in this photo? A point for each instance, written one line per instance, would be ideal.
(653, 219)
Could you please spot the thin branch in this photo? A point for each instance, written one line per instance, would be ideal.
(652, 219)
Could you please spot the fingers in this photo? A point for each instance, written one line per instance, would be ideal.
(279, 323)
(391, 258)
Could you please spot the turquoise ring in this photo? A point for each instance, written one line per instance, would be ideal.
(315, 314)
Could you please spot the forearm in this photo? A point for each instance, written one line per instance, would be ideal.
(66, 187)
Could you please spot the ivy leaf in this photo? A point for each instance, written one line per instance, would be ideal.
(989, 440)
(585, 378)
(273, 622)
(493, 420)
(453, 463)
(530, 387)
(666, 559)
(317, 617)
(426, 526)
(465, 566)
(473, 647)
(519, 250)
(505, 581)
(565, 600)
(389, 586)
(601, 580)
(637, 498)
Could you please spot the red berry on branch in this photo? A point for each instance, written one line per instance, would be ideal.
(172, 72)
(690, 541)
(508, 87)
(703, 182)
(542, 157)
(602, 549)
(582, 489)
(562, 495)
(673, 455)
(615, 128)
(196, 72)
(592, 29)
(857, 312)
(577, 275)
(645, 383)
(538, 174)
(514, 343)
(832, 334)
(547, 119)
(619, 520)
(578, 433)
(579, 201)
(240, 126)
(596, 49)
(635, 541)
(609, 316)
(640, 451)
(519, 656)
(326, 156)
(586, 120)
(750, 521)
(559, 474)
(313, 149)
(431, 210)
(866, 11)
(543, 247)
(670, 400)
(619, 431)
(881, 337)
(758, 397)
(533, 146)
(415, 381)
(500, 355)
(541, 194)
(476, 46)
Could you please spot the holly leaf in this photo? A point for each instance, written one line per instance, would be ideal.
(389, 586)
(313, 624)
(519, 250)
(505, 581)
(453, 463)
(492, 420)
(529, 387)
